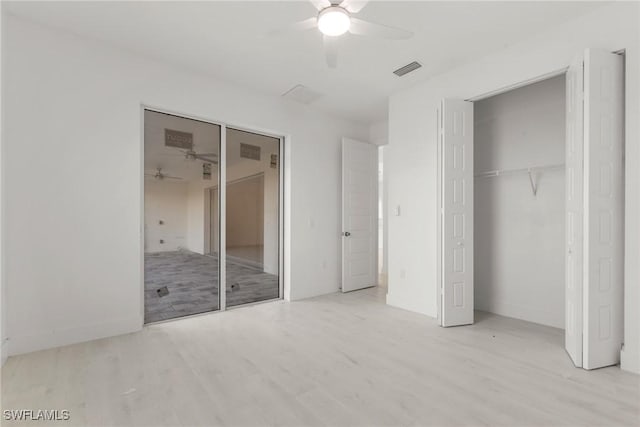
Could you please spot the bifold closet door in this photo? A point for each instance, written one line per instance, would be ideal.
(456, 203)
(595, 237)
(574, 207)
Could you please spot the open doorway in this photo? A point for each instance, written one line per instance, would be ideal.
(519, 203)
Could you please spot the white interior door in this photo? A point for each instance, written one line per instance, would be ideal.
(574, 208)
(456, 202)
(603, 208)
(359, 214)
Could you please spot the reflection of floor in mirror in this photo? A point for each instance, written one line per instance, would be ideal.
(192, 282)
(250, 253)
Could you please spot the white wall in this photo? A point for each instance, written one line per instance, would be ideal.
(379, 133)
(165, 201)
(72, 109)
(3, 298)
(412, 161)
(518, 236)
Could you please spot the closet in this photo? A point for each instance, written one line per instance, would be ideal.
(519, 203)
(530, 195)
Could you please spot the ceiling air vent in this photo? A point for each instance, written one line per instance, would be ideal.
(302, 94)
(407, 69)
(249, 151)
(178, 139)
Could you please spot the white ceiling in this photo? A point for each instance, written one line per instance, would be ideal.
(227, 40)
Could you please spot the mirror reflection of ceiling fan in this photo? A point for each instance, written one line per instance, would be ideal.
(335, 18)
(159, 175)
(192, 155)
(205, 157)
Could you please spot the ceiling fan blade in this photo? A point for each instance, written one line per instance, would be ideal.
(330, 50)
(204, 159)
(307, 24)
(170, 177)
(320, 4)
(207, 154)
(354, 6)
(364, 28)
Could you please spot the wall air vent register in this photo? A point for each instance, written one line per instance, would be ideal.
(248, 151)
(178, 139)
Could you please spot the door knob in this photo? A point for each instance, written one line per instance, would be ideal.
(460, 243)
(346, 234)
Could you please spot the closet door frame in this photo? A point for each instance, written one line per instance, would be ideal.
(283, 216)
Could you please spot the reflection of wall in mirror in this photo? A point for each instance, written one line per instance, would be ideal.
(199, 199)
(245, 212)
(165, 215)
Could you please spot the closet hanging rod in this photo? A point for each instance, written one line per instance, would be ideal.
(500, 172)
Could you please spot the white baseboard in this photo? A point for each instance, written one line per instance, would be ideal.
(4, 351)
(630, 361)
(407, 305)
(60, 337)
(522, 312)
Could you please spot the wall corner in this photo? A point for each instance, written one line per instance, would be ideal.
(630, 361)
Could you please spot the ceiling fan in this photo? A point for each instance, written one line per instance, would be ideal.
(159, 175)
(335, 18)
(205, 157)
(192, 155)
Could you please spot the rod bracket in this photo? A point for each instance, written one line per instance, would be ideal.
(534, 184)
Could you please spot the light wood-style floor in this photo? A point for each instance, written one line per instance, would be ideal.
(336, 360)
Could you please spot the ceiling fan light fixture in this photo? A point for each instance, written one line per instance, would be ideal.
(334, 21)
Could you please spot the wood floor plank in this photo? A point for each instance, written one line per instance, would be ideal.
(335, 360)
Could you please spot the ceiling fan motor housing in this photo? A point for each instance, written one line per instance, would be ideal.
(334, 21)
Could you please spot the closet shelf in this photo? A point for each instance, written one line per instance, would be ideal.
(530, 171)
